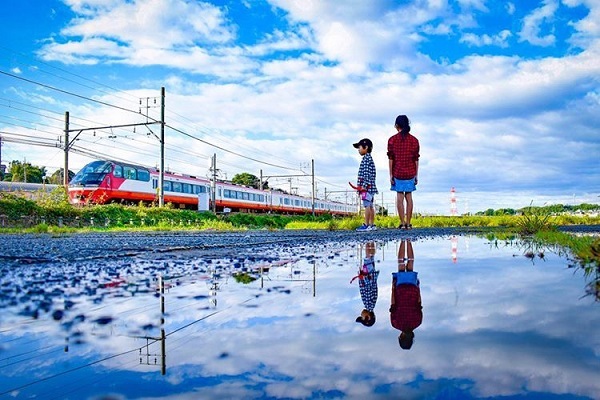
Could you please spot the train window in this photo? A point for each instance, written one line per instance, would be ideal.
(118, 172)
(219, 192)
(200, 189)
(296, 202)
(129, 173)
(168, 186)
(154, 183)
(226, 193)
(177, 187)
(245, 196)
(187, 188)
(143, 175)
(286, 202)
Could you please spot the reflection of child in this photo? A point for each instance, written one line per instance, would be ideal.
(406, 311)
(367, 283)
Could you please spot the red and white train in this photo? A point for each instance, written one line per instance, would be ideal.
(106, 181)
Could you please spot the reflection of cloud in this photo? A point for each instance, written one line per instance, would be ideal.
(515, 329)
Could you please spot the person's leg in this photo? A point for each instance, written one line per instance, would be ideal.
(409, 207)
(400, 206)
(402, 256)
(410, 256)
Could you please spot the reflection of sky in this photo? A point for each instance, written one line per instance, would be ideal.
(495, 324)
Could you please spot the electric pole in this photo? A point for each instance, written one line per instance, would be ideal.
(213, 183)
(161, 181)
(66, 170)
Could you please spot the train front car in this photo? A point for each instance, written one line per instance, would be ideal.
(91, 184)
(102, 182)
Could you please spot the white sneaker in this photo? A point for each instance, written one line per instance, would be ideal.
(372, 228)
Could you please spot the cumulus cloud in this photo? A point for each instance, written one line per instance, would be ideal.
(532, 24)
(500, 39)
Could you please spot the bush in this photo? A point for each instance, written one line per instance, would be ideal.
(16, 206)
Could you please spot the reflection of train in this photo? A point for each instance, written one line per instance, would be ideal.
(103, 181)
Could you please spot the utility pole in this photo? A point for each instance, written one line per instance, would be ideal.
(313, 185)
(1, 167)
(161, 181)
(290, 180)
(69, 143)
(66, 170)
(213, 183)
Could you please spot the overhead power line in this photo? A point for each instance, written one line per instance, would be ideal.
(224, 149)
(230, 151)
(72, 94)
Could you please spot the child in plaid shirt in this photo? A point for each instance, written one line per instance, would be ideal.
(366, 180)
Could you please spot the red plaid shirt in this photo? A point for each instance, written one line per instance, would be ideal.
(406, 313)
(404, 151)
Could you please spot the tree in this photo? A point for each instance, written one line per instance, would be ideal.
(57, 177)
(247, 179)
(25, 172)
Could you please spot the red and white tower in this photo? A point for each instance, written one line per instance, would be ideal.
(452, 201)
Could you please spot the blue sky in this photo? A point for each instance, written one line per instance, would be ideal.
(503, 96)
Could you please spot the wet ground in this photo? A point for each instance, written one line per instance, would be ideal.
(272, 315)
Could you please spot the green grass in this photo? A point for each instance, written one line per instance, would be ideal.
(52, 213)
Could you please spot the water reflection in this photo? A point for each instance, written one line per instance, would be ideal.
(496, 326)
(367, 283)
(406, 310)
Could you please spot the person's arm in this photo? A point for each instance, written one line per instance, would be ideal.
(393, 300)
(417, 174)
(390, 155)
(361, 173)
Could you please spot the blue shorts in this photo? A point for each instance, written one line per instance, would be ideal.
(404, 277)
(367, 199)
(404, 185)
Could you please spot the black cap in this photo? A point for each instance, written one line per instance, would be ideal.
(364, 143)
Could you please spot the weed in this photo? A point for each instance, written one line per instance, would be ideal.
(533, 221)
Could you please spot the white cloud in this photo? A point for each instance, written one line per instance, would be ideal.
(500, 39)
(170, 32)
(510, 8)
(532, 23)
(154, 23)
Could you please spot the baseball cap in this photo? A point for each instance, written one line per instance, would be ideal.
(364, 143)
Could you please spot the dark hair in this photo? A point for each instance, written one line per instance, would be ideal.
(369, 322)
(404, 124)
(406, 340)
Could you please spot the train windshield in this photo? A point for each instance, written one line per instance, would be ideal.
(92, 174)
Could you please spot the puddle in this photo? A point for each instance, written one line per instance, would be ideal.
(498, 319)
